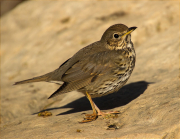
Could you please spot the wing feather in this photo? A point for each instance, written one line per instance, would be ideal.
(97, 64)
(89, 68)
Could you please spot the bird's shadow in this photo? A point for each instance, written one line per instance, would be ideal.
(122, 97)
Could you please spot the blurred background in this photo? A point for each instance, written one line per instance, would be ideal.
(37, 37)
(8, 5)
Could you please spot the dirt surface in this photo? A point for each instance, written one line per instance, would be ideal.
(45, 34)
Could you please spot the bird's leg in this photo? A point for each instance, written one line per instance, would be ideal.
(96, 111)
(104, 114)
(90, 117)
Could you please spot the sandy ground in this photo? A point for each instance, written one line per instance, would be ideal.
(36, 37)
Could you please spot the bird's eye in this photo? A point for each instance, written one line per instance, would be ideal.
(116, 36)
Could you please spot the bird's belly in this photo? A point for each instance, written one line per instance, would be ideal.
(109, 87)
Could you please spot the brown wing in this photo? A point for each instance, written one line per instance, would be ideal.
(83, 71)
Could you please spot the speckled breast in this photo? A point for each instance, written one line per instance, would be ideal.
(114, 84)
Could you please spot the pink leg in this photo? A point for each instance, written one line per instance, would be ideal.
(96, 112)
(93, 116)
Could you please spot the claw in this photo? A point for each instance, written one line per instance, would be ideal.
(89, 118)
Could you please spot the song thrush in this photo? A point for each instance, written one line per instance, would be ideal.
(98, 69)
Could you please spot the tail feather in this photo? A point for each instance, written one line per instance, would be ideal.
(59, 91)
(35, 79)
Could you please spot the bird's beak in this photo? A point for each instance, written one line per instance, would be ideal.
(131, 29)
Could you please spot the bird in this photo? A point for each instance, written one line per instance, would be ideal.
(98, 69)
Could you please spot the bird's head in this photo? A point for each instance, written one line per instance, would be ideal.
(117, 36)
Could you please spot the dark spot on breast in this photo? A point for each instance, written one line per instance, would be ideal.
(118, 83)
(108, 84)
(127, 70)
(119, 74)
(103, 88)
(114, 86)
(129, 49)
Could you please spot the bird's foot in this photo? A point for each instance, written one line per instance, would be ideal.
(89, 118)
(107, 115)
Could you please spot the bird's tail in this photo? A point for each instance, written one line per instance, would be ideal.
(44, 77)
